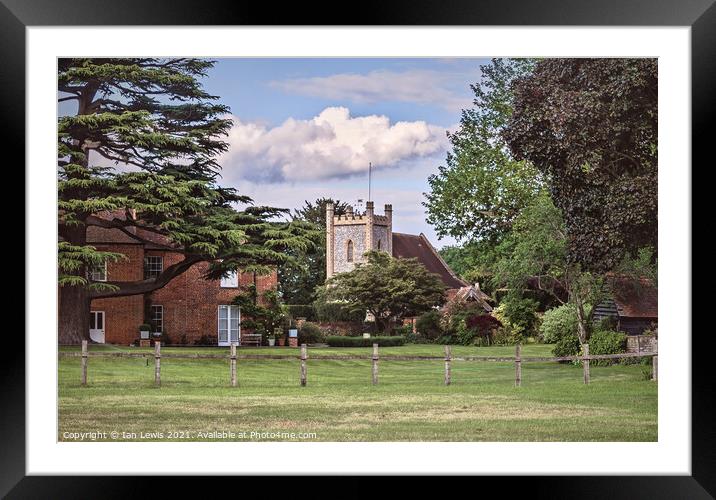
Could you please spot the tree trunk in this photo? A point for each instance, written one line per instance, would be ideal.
(74, 301)
(74, 312)
(582, 326)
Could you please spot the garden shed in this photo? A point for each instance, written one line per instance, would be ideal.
(634, 305)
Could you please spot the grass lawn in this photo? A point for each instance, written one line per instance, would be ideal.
(410, 403)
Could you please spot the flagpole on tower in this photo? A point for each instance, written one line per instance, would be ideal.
(370, 168)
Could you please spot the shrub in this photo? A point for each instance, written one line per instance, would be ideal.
(463, 334)
(457, 311)
(558, 323)
(165, 339)
(310, 333)
(428, 324)
(652, 330)
(402, 330)
(606, 342)
(363, 342)
(413, 338)
(568, 345)
(606, 324)
(506, 335)
(483, 324)
(520, 313)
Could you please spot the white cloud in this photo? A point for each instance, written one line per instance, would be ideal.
(331, 145)
(438, 88)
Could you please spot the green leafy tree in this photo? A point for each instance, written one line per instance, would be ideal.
(473, 261)
(535, 255)
(482, 188)
(590, 126)
(387, 288)
(261, 313)
(299, 278)
(152, 117)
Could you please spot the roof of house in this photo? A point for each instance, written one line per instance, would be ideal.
(96, 234)
(408, 246)
(635, 300)
(473, 293)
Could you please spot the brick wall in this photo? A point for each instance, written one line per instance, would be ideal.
(122, 315)
(190, 302)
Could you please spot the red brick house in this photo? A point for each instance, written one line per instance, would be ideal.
(188, 308)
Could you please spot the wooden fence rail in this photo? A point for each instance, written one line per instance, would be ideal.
(448, 358)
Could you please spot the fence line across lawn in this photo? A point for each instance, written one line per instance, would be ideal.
(448, 358)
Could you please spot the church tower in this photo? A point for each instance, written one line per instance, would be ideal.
(351, 235)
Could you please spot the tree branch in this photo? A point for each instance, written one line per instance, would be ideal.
(122, 224)
(126, 288)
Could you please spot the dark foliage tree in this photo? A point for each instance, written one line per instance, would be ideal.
(590, 126)
(299, 278)
(152, 117)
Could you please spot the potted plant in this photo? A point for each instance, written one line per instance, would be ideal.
(271, 339)
(281, 340)
(144, 329)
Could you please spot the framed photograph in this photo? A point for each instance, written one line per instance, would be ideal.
(427, 244)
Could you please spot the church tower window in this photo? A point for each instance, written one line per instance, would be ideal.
(349, 251)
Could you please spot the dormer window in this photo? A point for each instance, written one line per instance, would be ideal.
(349, 251)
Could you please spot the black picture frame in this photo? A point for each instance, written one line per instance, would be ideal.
(700, 15)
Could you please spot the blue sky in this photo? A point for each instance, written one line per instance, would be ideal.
(306, 128)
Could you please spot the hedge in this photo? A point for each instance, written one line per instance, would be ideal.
(337, 341)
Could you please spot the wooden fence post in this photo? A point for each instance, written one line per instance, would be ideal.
(233, 364)
(304, 355)
(518, 365)
(84, 362)
(448, 356)
(375, 364)
(585, 362)
(655, 362)
(157, 363)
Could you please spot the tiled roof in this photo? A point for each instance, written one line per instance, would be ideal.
(473, 292)
(97, 234)
(411, 246)
(635, 300)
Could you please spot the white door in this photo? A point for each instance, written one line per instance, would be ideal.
(97, 326)
(229, 325)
